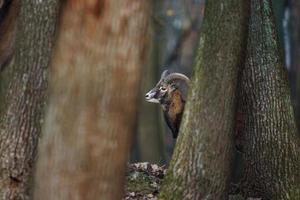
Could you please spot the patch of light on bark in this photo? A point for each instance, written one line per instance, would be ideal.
(207, 197)
(201, 41)
(25, 78)
(199, 162)
(177, 169)
(222, 7)
(286, 38)
(39, 1)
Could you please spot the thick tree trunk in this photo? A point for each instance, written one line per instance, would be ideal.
(23, 86)
(271, 149)
(95, 80)
(200, 167)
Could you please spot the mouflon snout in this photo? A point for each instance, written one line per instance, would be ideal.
(156, 94)
(151, 96)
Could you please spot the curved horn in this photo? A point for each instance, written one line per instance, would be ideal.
(177, 76)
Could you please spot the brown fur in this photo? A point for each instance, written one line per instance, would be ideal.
(176, 106)
(173, 112)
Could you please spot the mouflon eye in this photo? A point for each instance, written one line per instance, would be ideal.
(163, 89)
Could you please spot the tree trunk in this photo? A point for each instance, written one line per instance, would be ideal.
(149, 134)
(93, 99)
(271, 149)
(23, 86)
(200, 167)
(149, 130)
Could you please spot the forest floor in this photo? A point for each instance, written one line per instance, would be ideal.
(143, 181)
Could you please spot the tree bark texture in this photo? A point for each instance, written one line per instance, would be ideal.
(23, 92)
(200, 167)
(271, 150)
(93, 99)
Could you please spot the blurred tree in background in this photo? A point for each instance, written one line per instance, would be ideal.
(96, 70)
(293, 44)
(148, 145)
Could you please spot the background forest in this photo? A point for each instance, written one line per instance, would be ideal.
(176, 30)
(74, 123)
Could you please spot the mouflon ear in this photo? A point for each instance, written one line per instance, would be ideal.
(164, 74)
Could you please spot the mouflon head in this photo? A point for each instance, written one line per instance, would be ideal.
(168, 83)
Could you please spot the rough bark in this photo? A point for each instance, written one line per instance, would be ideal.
(271, 149)
(200, 167)
(23, 91)
(93, 95)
